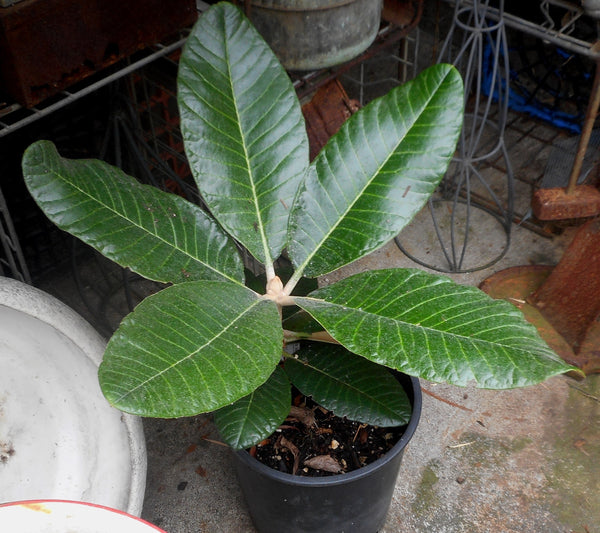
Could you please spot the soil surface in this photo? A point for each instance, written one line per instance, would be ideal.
(314, 442)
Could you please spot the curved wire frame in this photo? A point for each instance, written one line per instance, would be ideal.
(482, 58)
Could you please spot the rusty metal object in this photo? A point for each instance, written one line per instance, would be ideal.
(558, 204)
(329, 108)
(570, 297)
(515, 285)
(48, 45)
(575, 201)
(399, 12)
(563, 302)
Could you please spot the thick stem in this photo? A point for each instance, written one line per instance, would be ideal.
(275, 292)
(270, 272)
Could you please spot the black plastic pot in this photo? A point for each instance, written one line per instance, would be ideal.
(357, 501)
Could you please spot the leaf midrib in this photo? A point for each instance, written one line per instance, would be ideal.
(425, 329)
(251, 177)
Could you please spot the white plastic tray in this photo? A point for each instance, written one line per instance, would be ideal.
(59, 437)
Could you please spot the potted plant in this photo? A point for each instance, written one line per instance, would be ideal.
(207, 342)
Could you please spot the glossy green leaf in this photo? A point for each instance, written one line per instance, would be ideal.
(349, 385)
(377, 172)
(426, 325)
(254, 417)
(191, 348)
(243, 129)
(158, 235)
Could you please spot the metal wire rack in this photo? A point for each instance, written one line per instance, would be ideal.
(472, 40)
(467, 195)
(13, 260)
(13, 116)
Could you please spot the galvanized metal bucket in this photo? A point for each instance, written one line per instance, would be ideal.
(315, 34)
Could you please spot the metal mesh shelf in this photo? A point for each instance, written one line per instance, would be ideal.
(13, 116)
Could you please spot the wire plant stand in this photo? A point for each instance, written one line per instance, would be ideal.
(475, 199)
(12, 260)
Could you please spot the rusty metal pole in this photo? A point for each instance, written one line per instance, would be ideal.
(586, 132)
(574, 201)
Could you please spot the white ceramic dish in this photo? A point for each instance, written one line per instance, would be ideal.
(59, 437)
(69, 517)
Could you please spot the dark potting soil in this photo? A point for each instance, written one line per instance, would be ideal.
(314, 442)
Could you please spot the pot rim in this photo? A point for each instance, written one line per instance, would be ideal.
(49, 506)
(349, 477)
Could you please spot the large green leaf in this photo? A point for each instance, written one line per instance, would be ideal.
(349, 385)
(377, 172)
(256, 416)
(158, 235)
(243, 129)
(426, 325)
(191, 348)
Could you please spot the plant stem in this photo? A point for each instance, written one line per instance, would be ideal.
(292, 282)
(320, 336)
(276, 294)
(269, 271)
